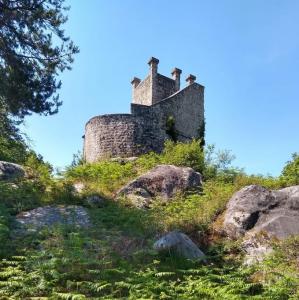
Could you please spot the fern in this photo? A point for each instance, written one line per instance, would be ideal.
(69, 296)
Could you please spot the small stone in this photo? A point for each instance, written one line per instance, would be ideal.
(180, 244)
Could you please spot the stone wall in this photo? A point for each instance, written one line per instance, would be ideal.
(142, 94)
(187, 109)
(152, 89)
(163, 87)
(125, 135)
(119, 135)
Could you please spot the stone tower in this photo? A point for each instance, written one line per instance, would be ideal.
(154, 100)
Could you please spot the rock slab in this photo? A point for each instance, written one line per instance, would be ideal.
(163, 181)
(180, 244)
(10, 171)
(255, 211)
(47, 216)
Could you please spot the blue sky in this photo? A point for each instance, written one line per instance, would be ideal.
(245, 53)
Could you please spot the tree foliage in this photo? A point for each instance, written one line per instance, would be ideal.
(33, 50)
(290, 173)
(12, 145)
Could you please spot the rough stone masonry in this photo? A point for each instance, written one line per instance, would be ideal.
(158, 103)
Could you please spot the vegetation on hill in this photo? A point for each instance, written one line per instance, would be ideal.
(114, 259)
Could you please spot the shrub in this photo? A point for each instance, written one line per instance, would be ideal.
(184, 154)
(12, 150)
(290, 173)
(20, 196)
(38, 169)
(38, 188)
(218, 165)
(269, 182)
(147, 161)
(193, 212)
(4, 230)
(279, 271)
(104, 176)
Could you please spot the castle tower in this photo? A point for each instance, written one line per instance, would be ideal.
(155, 100)
(155, 86)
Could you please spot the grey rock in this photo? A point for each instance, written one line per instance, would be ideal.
(256, 247)
(10, 171)
(95, 201)
(243, 209)
(47, 216)
(140, 198)
(163, 181)
(255, 208)
(180, 244)
(255, 211)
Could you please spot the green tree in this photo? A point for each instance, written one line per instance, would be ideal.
(12, 145)
(33, 51)
(290, 173)
(184, 154)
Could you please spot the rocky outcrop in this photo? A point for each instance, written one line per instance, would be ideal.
(179, 244)
(260, 214)
(10, 171)
(47, 216)
(163, 181)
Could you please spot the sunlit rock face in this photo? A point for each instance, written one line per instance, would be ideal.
(164, 181)
(47, 216)
(259, 215)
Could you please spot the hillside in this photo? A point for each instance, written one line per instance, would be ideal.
(112, 257)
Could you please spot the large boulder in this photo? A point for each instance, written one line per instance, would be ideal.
(260, 214)
(48, 216)
(180, 244)
(10, 171)
(164, 181)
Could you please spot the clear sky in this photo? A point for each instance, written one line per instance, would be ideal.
(245, 53)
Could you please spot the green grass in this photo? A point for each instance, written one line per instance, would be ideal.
(114, 258)
(116, 262)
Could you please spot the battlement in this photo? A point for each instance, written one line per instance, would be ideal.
(156, 87)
